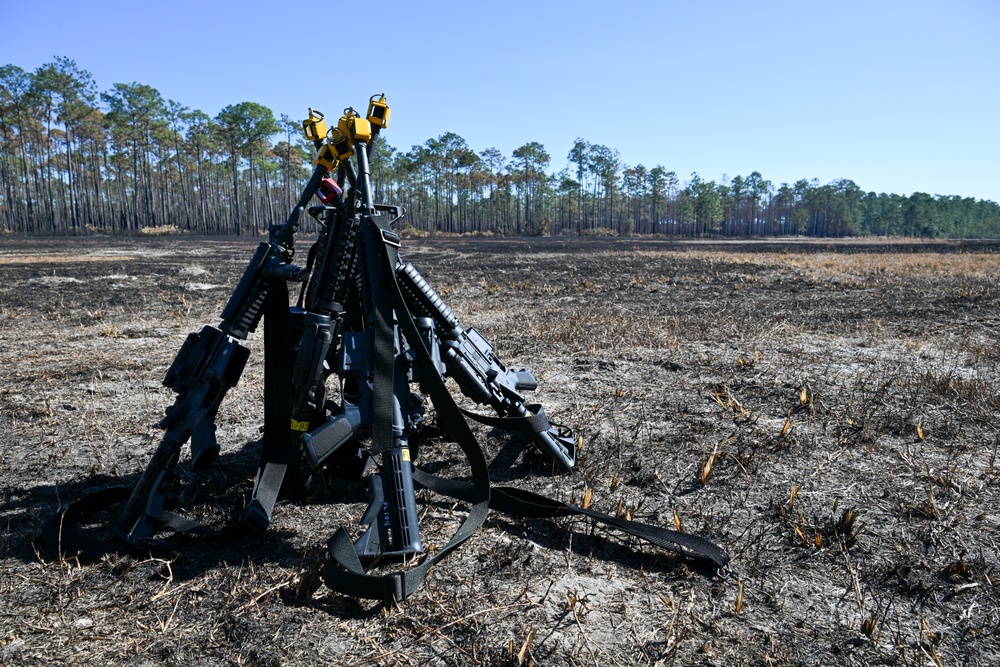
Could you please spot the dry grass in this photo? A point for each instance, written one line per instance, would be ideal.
(829, 415)
(50, 259)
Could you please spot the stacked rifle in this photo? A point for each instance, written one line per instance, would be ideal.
(346, 372)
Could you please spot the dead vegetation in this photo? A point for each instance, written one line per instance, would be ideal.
(826, 413)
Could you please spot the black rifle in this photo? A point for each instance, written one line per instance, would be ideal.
(368, 321)
(344, 325)
(349, 328)
(208, 364)
(470, 360)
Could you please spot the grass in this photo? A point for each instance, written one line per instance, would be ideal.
(826, 416)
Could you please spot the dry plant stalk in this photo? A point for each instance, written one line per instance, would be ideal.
(706, 469)
(197, 618)
(525, 651)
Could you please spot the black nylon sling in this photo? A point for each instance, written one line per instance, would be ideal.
(527, 504)
(279, 450)
(383, 343)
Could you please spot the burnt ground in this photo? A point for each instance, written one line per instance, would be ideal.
(827, 412)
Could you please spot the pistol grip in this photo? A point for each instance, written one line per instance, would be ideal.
(324, 441)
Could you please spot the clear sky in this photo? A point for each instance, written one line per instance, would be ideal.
(896, 96)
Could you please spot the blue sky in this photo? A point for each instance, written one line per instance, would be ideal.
(897, 96)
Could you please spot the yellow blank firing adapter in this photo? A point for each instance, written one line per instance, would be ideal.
(342, 146)
(354, 127)
(327, 157)
(378, 111)
(314, 127)
(361, 129)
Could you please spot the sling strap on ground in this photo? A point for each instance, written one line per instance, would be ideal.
(527, 504)
(60, 533)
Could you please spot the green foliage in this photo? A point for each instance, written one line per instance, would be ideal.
(73, 161)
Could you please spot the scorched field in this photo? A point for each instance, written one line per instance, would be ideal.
(827, 412)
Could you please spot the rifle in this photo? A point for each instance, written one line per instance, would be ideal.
(343, 325)
(208, 364)
(368, 321)
(470, 360)
(369, 356)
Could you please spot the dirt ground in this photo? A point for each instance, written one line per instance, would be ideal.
(827, 412)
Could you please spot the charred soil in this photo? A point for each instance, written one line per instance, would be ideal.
(826, 412)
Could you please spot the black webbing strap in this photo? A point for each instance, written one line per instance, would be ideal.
(59, 534)
(518, 502)
(343, 572)
(536, 422)
(383, 343)
(279, 452)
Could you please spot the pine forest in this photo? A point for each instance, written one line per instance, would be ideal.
(76, 161)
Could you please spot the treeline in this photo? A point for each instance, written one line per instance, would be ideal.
(77, 161)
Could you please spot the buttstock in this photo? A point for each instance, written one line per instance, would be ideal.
(392, 513)
(560, 447)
